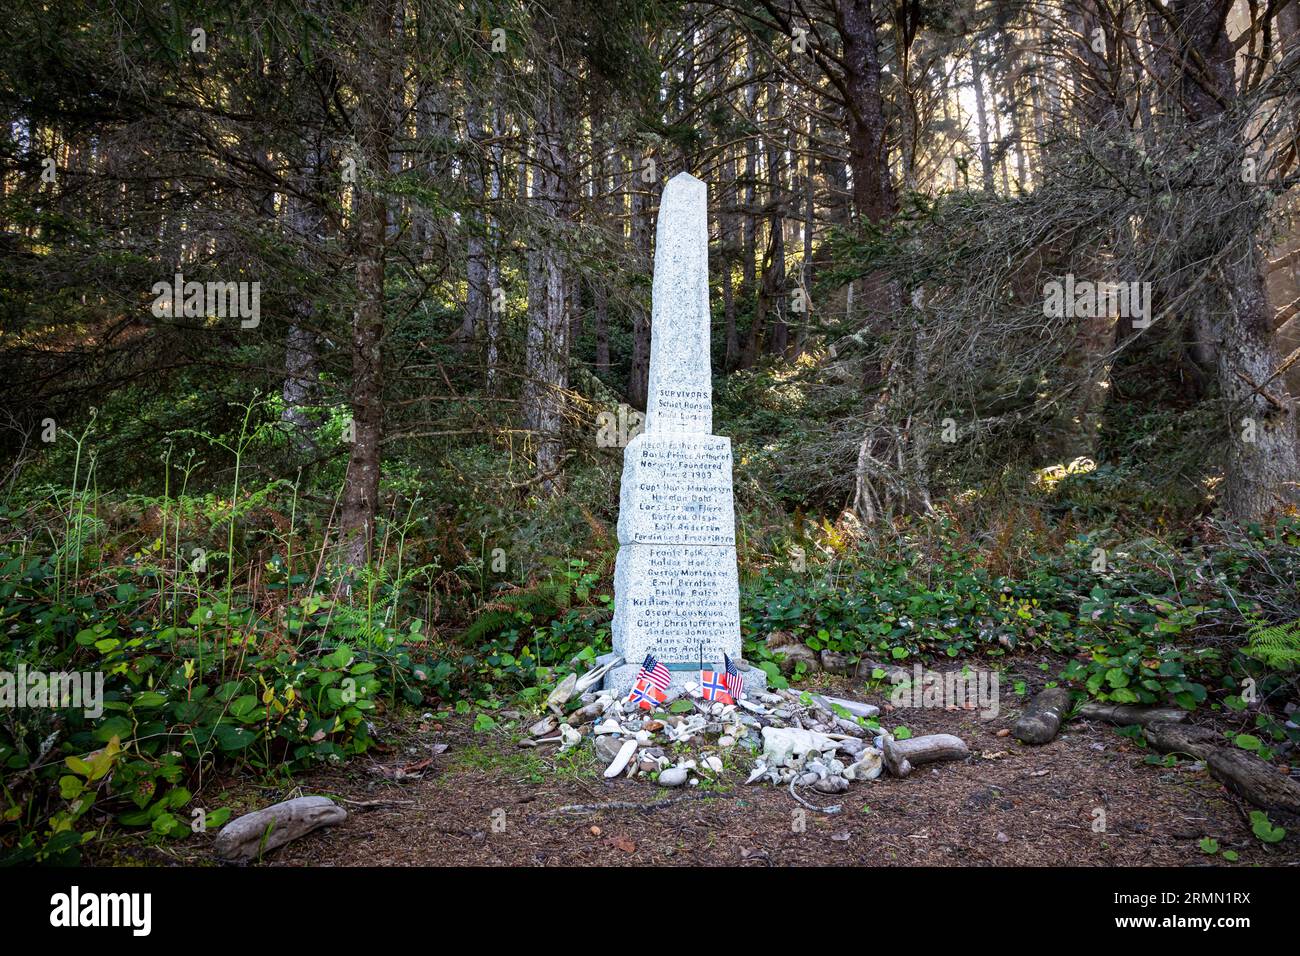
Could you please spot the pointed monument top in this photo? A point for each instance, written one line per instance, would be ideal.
(681, 383)
(686, 179)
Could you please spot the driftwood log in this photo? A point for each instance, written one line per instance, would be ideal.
(902, 755)
(1125, 715)
(1041, 721)
(272, 827)
(1241, 772)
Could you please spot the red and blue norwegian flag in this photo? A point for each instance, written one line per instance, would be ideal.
(645, 695)
(735, 683)
(714, 687)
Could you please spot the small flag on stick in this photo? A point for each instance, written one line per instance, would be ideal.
(655, 672)
(645, 695)
(735, 683)
(714, 687)
(650, 684)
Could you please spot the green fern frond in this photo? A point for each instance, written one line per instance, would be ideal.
(489, 621)
(542, 601)
(1277, 645)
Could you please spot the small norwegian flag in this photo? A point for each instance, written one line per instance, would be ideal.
(735, 683)
(714, 687)
(655, 672)
(645, 695)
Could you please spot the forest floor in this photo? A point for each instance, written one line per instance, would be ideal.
(485, 801)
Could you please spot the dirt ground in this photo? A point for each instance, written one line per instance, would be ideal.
(484, 801)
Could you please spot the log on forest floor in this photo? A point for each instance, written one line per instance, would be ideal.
(1125, 715)
(257, 833)
(902, 755)
(1041, 721)
(1258, 781)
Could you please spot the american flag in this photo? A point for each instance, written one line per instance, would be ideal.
(714, 687)
(655, 672)
(735, 683)
(645, 695)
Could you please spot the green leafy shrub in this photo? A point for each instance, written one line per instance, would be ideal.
(219, 688)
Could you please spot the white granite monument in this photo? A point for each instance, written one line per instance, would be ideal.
(676, 593)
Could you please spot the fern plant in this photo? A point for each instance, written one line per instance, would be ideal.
(1276, 645)
(543, 600)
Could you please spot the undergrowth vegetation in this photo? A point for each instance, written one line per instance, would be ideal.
(229, 643)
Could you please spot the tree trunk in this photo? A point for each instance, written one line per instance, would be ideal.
(1263, 458)
(873, 192)
(981, 118)
(638, 381)
(476, 252)
(1263, 470)
(546, 352)
(376, 124)
(306, 224)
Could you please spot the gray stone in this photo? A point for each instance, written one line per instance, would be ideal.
(853, 746)
(789, 655)
(270, 828)
(608, 747)
(837, 663)
(681, 380)
(677, 490)
(676, 590)
(676, 602)
(831, 785)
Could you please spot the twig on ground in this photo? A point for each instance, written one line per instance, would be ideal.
(828, 810)
(575, 808)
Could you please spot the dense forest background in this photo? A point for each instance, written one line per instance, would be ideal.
(323, 326)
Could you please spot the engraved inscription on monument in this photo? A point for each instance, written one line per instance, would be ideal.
(682, 601)
(677, 491)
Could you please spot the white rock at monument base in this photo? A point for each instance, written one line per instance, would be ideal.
(789, 745)
(673, 777)
(868, 767)
(621, 760)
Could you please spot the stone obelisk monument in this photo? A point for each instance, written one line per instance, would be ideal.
(676, 594)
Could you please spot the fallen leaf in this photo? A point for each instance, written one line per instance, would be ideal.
(624, 844)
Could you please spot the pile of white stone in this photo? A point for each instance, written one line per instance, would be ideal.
(785, 738)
